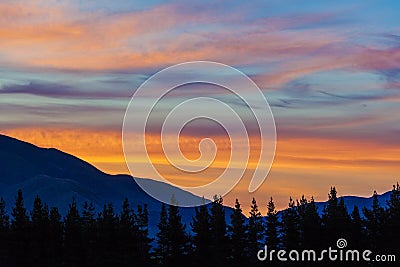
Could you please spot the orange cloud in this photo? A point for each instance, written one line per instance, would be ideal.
(61, 36)
(355, 167)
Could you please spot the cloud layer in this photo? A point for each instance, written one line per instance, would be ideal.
(329, 70)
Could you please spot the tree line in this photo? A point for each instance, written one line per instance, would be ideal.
(43, 237)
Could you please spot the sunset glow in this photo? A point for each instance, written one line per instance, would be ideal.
(331, 74)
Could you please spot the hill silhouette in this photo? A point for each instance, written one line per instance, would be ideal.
(57, 177)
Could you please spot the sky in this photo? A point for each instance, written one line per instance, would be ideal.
(329, 70)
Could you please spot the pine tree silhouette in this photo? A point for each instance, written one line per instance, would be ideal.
(123, 239)
(55, 240)
(219, 242)
(107, 232)
(272, 223)
(143, 235)
(391, 230)
(310, 223)
(73, 250)
(255, 232)
(177, 238)
(201, 228)
(335, 219)
(128, 236)
(290, 226)
(20, 229)
(357, 229)
(39, 233)
(375, 221)
(238, 232)
(89, 235)
(162, 248)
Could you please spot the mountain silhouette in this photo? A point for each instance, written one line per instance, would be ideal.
(360, 202)
(57, 177)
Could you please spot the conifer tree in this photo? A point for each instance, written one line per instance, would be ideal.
(55, 240)
(19, 231)
(391, 231)
(310, 223)
(335, 219)
(290, 226)
(144, 241)
(201, 228)
(357, 231)
(39, 233)
(331, 208)
(128, 235)
(302, 205)
(272, 223)
(89, 230)
(20, 219)
(343, 212)
(375, 221)
(177, 239)
(394, 202)
(255, 228)
(255, 231)
(107, 230)
(162, 236)
(73, 251)
(302, 209)
(238, 231)
(218, 236)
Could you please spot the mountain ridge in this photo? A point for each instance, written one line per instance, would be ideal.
(57, 177)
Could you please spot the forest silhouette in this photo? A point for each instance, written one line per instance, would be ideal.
(85, 237)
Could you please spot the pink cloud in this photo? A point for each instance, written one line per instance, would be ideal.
(61, 36)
